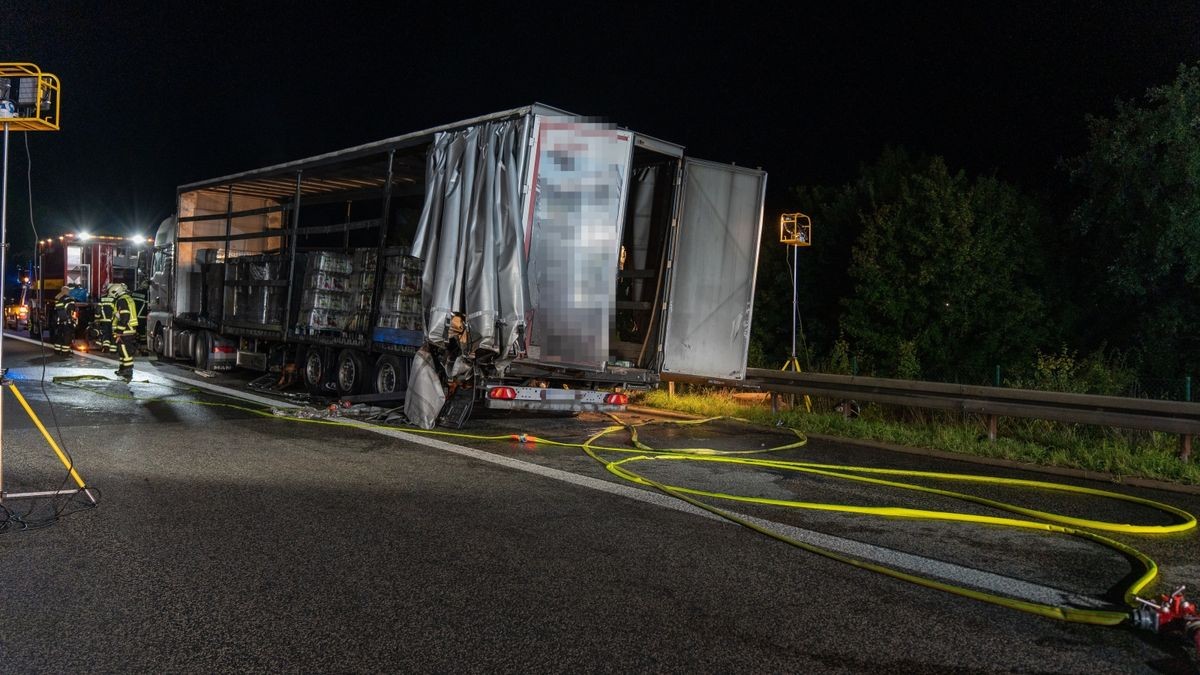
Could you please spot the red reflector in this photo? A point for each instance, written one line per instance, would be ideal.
(224, 349)
(616, 399)
(502, 393)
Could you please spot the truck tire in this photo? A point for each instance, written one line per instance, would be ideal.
(351, 373)
(314, 368)
(389, 375)
(158, 342)
(202, 350)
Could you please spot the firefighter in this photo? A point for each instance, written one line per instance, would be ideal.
(64, 321)
(124, 327)
(108, 309)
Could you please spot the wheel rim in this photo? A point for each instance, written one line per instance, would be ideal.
(312, 369)
(347, 374)
(385, 381)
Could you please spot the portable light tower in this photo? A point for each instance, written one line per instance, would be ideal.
(29, 101)
(795, 230)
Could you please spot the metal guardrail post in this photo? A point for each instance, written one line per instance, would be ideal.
(1185, 441)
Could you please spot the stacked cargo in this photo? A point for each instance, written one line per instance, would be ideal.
(327, 303)
(362, 284)
(400, 300)
(258, 285)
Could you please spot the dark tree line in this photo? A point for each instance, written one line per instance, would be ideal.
(921, 271)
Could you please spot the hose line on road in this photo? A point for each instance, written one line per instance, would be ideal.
(1185, 521)
(639, 452)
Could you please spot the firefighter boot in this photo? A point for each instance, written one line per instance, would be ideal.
(125, 373)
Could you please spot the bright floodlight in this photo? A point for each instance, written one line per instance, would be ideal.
(139, 239)
(85, 236)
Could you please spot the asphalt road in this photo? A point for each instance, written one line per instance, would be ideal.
(227, 540)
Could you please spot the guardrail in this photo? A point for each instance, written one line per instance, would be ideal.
(992, 402)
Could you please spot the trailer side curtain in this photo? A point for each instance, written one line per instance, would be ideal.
(470, 237)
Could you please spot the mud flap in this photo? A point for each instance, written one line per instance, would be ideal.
(425, 396)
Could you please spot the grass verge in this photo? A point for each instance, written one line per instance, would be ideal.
(1120, 453)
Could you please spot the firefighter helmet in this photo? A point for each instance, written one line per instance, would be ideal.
(117, 290)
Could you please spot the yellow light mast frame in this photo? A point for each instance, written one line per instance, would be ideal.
(795, 229)
(40, 114)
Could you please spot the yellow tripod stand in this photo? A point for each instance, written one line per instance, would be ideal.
(793, 364)
(62, 457)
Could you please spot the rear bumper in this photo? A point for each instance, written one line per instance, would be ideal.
(554, 400)
(553, 406)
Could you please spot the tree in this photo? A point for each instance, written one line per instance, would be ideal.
(943, 273)
(1138, 225)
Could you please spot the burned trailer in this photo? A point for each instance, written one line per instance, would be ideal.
(529, 259)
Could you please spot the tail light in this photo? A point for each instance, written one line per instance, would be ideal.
(502, 393)
(224, 349)
(616, 399)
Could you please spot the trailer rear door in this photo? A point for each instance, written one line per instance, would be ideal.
(715, 257)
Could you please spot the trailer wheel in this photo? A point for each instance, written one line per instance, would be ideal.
(314, 370)
(351, 372)
(389, 376)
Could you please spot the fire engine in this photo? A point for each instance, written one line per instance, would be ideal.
(86, 261)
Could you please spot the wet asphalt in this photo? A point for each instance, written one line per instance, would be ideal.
(230, 540)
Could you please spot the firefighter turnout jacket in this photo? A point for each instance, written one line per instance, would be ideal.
(108, 309)
(125, 320)
(64, 310)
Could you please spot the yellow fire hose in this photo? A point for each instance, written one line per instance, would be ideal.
(1045, 521)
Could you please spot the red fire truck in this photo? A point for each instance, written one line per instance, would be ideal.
(86, 261)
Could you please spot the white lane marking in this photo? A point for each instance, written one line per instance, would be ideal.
(958, 574)
(988, 581)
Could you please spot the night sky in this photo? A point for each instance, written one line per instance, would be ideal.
(158, 94)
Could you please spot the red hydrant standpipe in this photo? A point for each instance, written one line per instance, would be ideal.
(1173, 615)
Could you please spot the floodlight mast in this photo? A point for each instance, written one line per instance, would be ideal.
(40, 114)
(795, 230)
(3, 259)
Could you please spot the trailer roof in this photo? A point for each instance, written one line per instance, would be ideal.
(270, 181)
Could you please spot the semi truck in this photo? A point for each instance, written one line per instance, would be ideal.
(525, 259)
